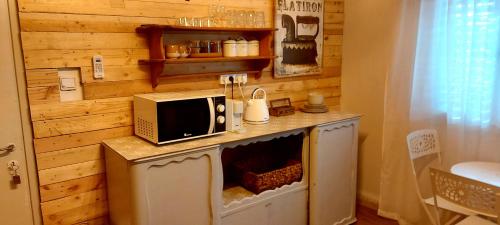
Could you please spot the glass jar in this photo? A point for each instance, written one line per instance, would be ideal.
(204, 46)
(194, 47)
(215, 47)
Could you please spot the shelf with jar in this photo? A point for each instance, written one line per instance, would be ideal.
(183, 50)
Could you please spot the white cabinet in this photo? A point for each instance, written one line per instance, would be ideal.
(333, 173)
(170, 190)
(187, 187)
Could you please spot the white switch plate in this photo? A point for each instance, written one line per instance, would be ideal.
(67, 83)
(70, 79)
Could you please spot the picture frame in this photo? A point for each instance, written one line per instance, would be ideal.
(298, 41)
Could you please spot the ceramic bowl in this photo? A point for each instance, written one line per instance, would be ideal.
(315, 99)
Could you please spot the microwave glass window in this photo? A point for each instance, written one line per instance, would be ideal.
(183, 119)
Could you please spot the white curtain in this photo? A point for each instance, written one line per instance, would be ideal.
(456, 81)
(446, 75)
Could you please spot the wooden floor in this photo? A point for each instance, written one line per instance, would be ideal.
(367, 216)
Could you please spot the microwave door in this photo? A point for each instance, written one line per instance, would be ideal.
(184, 119)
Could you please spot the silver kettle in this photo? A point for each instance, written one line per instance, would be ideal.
(256, 111)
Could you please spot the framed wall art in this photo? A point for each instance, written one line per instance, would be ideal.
(298, 41)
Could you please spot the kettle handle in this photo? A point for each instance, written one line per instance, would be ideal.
(257, 90)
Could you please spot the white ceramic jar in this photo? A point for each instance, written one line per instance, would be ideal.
(242, 48)
(229, 48)
(253, 48)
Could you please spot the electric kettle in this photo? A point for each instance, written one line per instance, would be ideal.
(256, 111)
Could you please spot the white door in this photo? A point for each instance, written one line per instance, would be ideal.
(15, 203)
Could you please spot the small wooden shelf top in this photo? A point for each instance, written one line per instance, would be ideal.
(206, 60)
(146, 27)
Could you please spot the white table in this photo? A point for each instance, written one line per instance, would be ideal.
(486, 172)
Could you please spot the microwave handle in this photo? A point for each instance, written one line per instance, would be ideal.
(211, 108)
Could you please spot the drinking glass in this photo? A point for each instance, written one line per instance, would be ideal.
(230, 18)
(260, 19)
(219, 12)
(241, 18)
(208, 22)
(197, 22)
(250, 19)
(184, 21)
(212, 11)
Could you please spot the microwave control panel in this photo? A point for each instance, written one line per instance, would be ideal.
(220, 114)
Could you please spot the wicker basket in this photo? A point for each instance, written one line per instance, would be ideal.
(260, 174)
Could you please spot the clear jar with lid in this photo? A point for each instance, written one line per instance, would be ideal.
(242, 48)
(253, 48)
(229, 48)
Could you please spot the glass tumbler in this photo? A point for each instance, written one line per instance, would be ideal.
(230, 18)
(250, 19)
(260, 20)
(241, 17)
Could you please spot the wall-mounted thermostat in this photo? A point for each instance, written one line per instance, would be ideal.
(97, 62)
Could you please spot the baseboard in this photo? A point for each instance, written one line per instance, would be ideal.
(367, 200)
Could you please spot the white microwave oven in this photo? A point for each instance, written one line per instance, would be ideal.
(170, 117)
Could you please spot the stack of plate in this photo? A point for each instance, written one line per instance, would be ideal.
(314, 108)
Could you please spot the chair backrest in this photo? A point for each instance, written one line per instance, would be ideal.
(422, 143)
(471, 194)
(424, 152)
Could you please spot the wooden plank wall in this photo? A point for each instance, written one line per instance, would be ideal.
(60, 34)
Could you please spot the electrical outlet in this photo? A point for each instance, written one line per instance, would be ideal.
(242, 78)
(237, 78)
(224, 79)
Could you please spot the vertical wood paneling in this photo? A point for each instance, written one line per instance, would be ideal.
(59, 34)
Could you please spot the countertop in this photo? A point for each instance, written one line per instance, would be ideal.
(135, 148)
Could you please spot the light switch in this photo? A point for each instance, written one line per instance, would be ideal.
(70, 84)
(67, 84)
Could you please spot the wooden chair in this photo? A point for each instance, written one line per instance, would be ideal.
(424, 151)
(476, 196)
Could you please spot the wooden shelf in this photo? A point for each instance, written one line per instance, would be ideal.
(204, 60)
(162, 67)
(168, 77)
(217, 59)
(148, 27)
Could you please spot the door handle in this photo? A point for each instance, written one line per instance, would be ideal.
(8, 148)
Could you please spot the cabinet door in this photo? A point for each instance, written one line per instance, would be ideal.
(290, 209)
(286, 209)
(333, 173)
(179, 190)
(254, 215)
